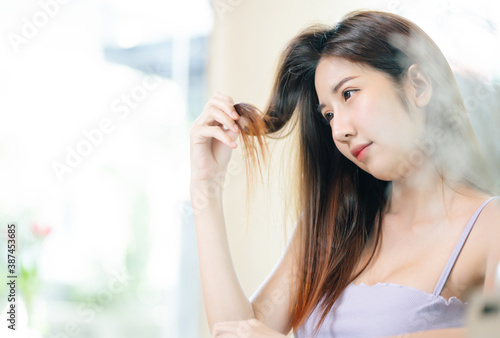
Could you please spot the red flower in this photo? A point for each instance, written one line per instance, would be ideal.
(41, 231)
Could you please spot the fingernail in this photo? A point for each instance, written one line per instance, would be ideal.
(235, 127)
(235, 114)
(233, 144)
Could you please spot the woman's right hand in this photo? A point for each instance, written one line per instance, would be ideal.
(211, 145)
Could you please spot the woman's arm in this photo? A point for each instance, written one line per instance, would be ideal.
(222, 293)
(211, 147)
(255, 329)
(224, 298)
(442, 333)
(491, 239)
(273, 299)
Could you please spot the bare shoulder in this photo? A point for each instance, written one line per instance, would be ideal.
(489, 219)
(487, 229)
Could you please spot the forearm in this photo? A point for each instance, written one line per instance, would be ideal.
(442, 333)
(222, 293)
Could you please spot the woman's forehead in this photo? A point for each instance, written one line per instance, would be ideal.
(337, 62)
(334, 69)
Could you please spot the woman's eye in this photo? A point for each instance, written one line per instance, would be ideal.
(348, 93)
(329, 116)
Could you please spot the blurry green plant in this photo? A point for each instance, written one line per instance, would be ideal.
(30, 237)
(29, 253)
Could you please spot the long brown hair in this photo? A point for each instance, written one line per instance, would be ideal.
(341, 206)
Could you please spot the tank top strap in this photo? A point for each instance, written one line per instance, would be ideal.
(453, 258)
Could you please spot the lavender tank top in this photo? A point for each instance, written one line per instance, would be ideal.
(387, 309)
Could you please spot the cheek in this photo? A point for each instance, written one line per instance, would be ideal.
(389, 124)
(344, 149)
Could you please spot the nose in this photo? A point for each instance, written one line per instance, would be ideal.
(342, 128)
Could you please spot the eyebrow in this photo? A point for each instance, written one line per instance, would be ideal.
(335, 89)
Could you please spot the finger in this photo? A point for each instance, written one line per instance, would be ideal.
(226, 107)
(216, 132)
(253, 322)
(223, 96)
(226, 104)
(215, 116)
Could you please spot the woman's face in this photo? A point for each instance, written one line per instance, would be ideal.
(370, 125)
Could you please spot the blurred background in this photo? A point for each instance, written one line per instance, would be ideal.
(97, 99)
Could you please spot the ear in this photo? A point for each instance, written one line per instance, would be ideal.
(420, 86)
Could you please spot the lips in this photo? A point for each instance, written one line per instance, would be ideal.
(356, 150)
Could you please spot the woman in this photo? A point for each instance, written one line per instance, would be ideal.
(392, 183)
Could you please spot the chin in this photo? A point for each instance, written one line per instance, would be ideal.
(381, 172)
(381, 176)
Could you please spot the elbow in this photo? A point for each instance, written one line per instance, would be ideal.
(219, 325)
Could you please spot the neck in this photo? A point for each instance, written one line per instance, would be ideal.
(421, 195)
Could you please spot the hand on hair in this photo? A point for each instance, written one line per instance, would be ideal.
(213, 137)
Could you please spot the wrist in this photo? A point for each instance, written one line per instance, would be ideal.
(205, 194)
